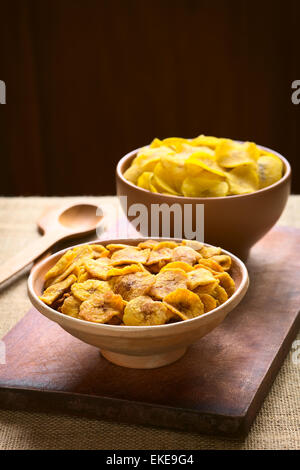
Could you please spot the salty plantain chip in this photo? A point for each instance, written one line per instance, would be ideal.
(71, 307)
(53, 292)
(145, 179)
(208, 301)
(186, 254)
(159, 254)
(133, 285)
(204, 186)
(121, 271)
(112, 247)
(184, 303)
(208, 251)
(220, 294)
(130, 255)
(99, 251)
(178, 264)
(270, 169)
(242, 180)
(223, 260)
(199, 277)
(98, 268)
(231, 154)
(83, 290)
(167, 281)
(208, 141)
(148, 244)
(209, 264)
(144, 311)
(207, 288)
(165, 244)
(197, 246)
(62, 264)
(226, 282)
(200, 161)
(101, 307)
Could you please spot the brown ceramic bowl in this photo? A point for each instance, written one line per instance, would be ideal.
(142, 347)
(235, 223)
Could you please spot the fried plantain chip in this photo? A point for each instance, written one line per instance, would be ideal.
(208, 301)
(98, 268)
(178, 264)
(185, 254)
(204, 185)
(231, 154)
(121, 271)
(71, 307)
(62, 264)
(144, 180)
(130, 255)
(270, 169)
(243, 180)
(144, 311)
(83, 290)
(199, 277)
(112, 247)
(197, 246)
(207, 288)
(209, 264)
(184, 303)
(220, 294)
(167, 281)
(159, 254)
(223, 260)
(165, 244)
(133, 285)
(99, 251)
(208, 251)
(53, 292)
(148, 244)
(101, 307)
(227, 283)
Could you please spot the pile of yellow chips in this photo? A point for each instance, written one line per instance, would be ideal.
(203, 167)
(153, 283)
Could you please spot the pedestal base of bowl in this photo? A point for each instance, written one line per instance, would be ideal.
(143, 362)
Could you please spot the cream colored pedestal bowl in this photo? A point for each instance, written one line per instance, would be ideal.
(141, 347)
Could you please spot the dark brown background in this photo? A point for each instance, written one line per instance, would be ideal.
(88, 81)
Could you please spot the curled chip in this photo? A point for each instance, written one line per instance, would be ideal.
(243, 180)
(184, 303)
(209, 264)
(83, 290)
(98, 268)
(167, 281)
(208, 251)
(148, 244)
(130, 255)
(120, 271)
(133, 285)
(208, 301)
(223, 260)
(101, 307)
(220, 294)
(185, 254)
(199, 277)
(71, 307)
(200, 161)
(226, 282)
(197, 246)
(207, 288)
(53, 292)
(62, 264)
(159, 254)
(178, 264)
(270, 169)
(144, 311)
(99, 251)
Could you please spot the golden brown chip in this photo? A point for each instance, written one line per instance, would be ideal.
(165, 244)
(209, 264)
(156, 267)
(184, 303)
(185, 254)
(53, 292)
(148, 244)
(144, 311)
(199, 277)
(157, 255)
(62, 264)
(168, 281)
(98, 268)
(130, 255)
(207, 288)
(83, 275)
(197, 246)
(208, 301)
(223, 260)
(226, 282)
(121, 271)
(83, 290)
(208, 251)
(112, 247)
(220, 294)
(133, 285)
(71, 307)
(99, 251)
(178, 264)
(101, 307)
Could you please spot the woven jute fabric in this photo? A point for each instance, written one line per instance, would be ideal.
(277, 425)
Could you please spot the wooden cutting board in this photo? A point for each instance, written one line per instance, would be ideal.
(217, 387)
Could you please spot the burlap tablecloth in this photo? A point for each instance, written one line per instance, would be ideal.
(277, 425)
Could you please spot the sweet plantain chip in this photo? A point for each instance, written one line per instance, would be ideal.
(197, 246)
(208, 301)
(199, 277)
(53, 292)
(184, 303)
(144, 311)
(83, 290)
(270, 169)
(98, 268)
(220, 294)
(71, 306)
(208, 251)
(133, 285)
(226, 282)
(223, 260)
(186, 254)
(167, 281)
(177, 264)
(101, 307)
(130, 255)
(157, 255)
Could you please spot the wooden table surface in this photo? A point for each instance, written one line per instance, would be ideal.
(277, 426)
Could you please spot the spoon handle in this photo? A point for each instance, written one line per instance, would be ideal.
(27, 255)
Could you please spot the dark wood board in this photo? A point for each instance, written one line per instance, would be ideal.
(216, 388)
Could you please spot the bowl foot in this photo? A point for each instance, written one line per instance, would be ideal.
(143, 362)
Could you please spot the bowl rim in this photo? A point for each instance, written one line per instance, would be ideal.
(285, 177)
(101, 326)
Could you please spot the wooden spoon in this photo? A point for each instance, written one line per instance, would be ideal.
(66, 222)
